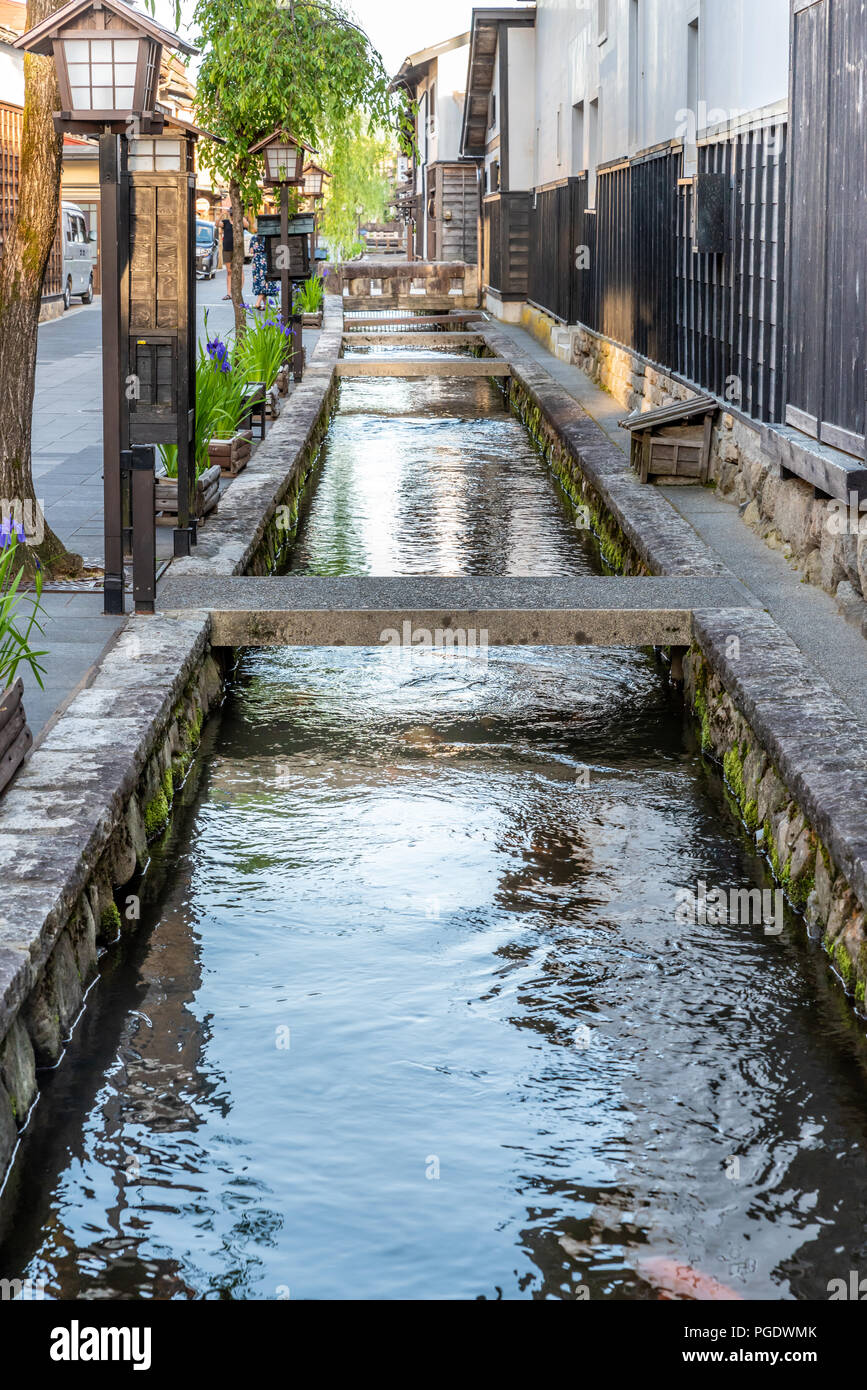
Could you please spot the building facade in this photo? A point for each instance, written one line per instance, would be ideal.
(694, 199)
(444, 207)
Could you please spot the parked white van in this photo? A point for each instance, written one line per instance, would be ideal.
(79, 255)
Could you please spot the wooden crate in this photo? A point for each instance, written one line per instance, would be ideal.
(207, 495)
(672, 444)
(231, 455)
(15, 737)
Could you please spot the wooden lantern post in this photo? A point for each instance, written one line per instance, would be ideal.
(284, 169)
(107, 57)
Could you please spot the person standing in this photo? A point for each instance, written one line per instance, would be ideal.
(263, 288)
(228, 248)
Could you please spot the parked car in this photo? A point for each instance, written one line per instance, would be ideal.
(207, 250)
(79, 255)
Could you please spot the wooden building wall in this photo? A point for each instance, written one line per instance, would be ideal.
(455, 198)
(827, 287)
(505, 264)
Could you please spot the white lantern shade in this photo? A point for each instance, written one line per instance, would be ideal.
(281, 160)
(156, 156)
(313, 177)
(100, 73)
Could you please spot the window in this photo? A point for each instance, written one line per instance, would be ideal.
(592, 152)
(432, 114)
(578, 137)
(492, 110)
(602, 20)
(495, 176)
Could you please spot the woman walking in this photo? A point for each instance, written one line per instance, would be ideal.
(263, 288)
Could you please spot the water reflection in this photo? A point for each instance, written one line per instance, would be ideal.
(433, 476)
(415, 1019)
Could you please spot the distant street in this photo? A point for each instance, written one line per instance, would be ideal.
(67, 415)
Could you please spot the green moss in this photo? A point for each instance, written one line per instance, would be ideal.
(771, 848)
(168, 784)
(110, 919)
(859, 993)
(799, 889)
(751, 815)
(700, 706)
(734, 774)
(844, 965)
(156, 814)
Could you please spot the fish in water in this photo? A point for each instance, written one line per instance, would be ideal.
(674, 1280)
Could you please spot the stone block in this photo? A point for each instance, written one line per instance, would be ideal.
(8, 1132)
(772, 796)
(18, 1070)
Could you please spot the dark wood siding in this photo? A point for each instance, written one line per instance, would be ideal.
(827, 293)
(506, 244)
(729, 307)
(552, 249)
(456, 192)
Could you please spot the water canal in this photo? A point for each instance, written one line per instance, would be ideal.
(410, 1015)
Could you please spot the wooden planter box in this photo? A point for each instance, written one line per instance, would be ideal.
(231, 455)
(15, 737)
(207, 495)
(311, 320)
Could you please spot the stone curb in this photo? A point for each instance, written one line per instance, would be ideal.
(816, 745)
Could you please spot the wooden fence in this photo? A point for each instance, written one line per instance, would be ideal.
(11, 120)
(628, 269)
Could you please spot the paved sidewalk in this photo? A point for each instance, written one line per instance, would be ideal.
(811, 617)
(67, 473)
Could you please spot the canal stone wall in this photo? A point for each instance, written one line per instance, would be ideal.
(75, 829)
(76, 825)
(792, 754)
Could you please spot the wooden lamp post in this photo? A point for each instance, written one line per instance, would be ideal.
(107, 58)
(284, 169)
(314, 190)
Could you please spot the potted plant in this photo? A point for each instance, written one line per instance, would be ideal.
(16, 629)
(308, 301)
(219, 411)
(261, 354)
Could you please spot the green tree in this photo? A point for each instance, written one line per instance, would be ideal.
(303, 65)
(22, 270)
(357, 158)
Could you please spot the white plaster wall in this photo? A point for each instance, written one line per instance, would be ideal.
(11, 75)
(642, 87)
(451, 83)
(521, 50)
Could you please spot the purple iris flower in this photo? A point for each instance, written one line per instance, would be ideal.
(5, 532)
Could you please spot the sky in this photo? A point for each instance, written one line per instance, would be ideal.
(396, 27)
(400, 27)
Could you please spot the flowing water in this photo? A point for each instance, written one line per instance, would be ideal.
(410, 1015)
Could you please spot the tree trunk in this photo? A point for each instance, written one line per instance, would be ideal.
(22, 270)
(237, 291)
